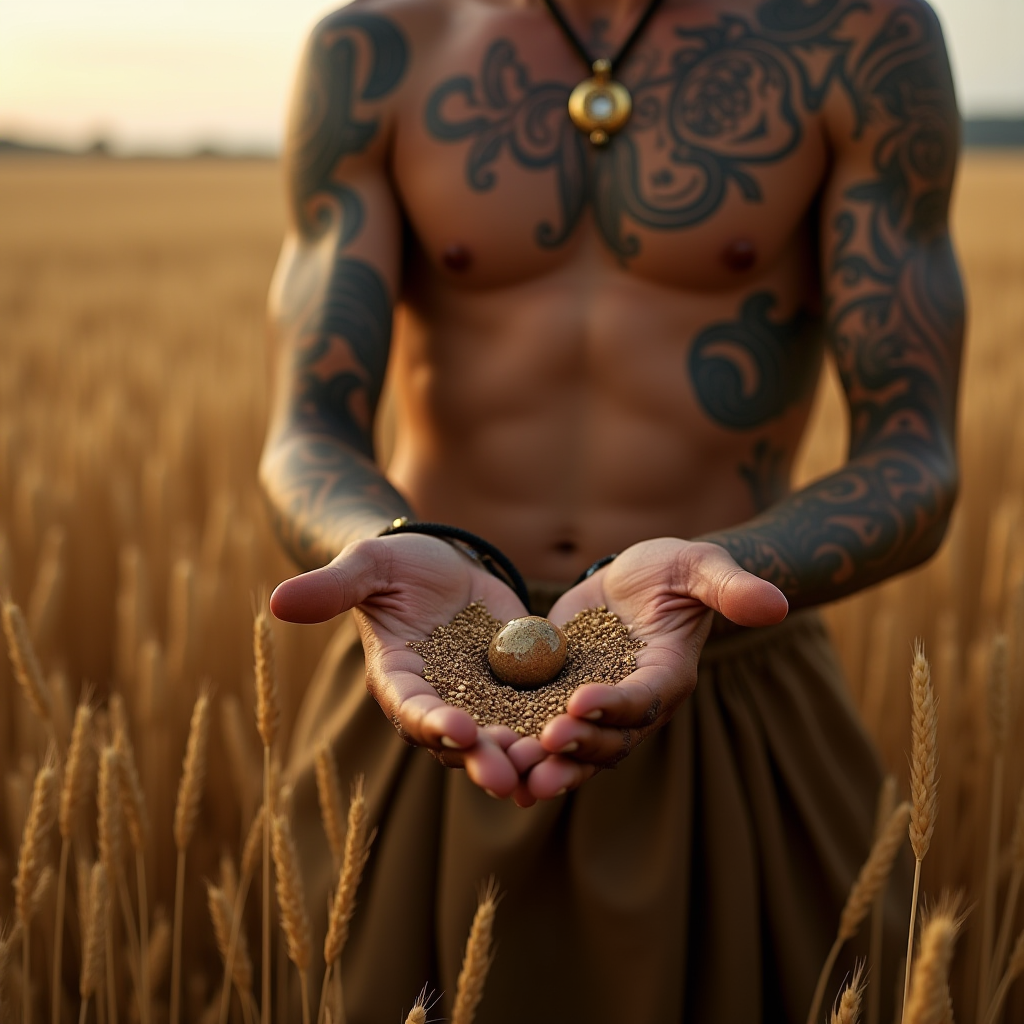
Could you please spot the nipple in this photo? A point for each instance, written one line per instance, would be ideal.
(739, 255)
(457, 257)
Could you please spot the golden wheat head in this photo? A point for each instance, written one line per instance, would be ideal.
(42, 815)
(193, 774)
(924, 758)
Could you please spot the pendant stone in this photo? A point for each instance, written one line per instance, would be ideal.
(599, 106)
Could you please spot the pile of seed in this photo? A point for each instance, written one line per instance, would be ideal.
(600, 650)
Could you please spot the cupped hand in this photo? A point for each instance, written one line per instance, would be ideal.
(403, 587)
(666, 591)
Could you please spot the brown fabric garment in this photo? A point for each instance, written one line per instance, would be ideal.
(699, 881)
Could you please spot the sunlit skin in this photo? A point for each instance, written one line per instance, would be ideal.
(609, 350)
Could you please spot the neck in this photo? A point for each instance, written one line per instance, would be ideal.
(602, 24)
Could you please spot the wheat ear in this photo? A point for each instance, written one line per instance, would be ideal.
(998, 720)
(42, 814)
(476, 962)
(924, 793)
(928, 1002)
(133, 804)
(190, 792)
(1013, 894)
(267, 718)
(869, 882)
(356, 850)
(239, 969)
(885, 806)
(332, 812)
(292, 901)
(26, 666)
(848, 1010)
(1013, 970)
(94, 939)
(79, 772)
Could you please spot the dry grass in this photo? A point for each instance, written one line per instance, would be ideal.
(132, 402)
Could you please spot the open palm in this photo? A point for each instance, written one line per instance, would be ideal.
(402, 588)
(665, 590)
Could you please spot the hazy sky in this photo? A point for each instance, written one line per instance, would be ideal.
(192, 71)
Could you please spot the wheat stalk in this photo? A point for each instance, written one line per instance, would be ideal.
(873, 875)
(476, 962)
(928, 1002)
(1013, 894)
(924, 762)
(356, 850)
(93, 938)
(74, 796)
(998, 717)
(292, 901)
(186, 809)
(332, 812)
(47, 590)
(27, 670)
(267, 718)
(244, 765)
(848, 1011)
(886, 805)
(1013, 970)
(42, 815)
(239, 967)
(252, 850)
(133, 805)
(111, 853)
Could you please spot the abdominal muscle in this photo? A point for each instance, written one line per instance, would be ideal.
(557, 416)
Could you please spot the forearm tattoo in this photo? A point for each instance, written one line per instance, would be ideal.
(895, 318)
(323, 486)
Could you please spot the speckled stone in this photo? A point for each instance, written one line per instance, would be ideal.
(527, 652)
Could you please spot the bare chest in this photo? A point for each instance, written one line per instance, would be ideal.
(706, 186)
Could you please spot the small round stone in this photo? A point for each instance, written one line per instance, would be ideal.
(527, 652)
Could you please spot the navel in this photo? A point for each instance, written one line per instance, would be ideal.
(739, 255)
(457, 257)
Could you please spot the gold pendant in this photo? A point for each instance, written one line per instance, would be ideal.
(598, 106)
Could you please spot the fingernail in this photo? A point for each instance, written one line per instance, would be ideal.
(490, 792)
(570, 747)
(447, 741)
(593, 716)
(562, 791)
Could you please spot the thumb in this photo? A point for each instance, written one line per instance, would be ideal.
(361, 570)
(711, 575)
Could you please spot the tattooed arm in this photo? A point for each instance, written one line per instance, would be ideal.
(333, 290)
(895, 318)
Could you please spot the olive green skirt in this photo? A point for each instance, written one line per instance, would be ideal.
(701, 880)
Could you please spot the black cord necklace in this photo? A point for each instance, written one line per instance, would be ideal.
(600, 106)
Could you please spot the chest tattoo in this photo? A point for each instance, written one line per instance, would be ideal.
(728, 98)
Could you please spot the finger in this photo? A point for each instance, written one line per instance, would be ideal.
(711, 574)
(640, 700)
(429, 721)
(555, 776)
(525, 753)
(522, 797)
(502, 735)
(593, 744)
(490, 768)
(362, 569)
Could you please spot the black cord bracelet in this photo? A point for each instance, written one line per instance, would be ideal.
(494, 561)
(599, 564)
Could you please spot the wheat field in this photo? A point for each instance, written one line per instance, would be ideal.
(132, 404)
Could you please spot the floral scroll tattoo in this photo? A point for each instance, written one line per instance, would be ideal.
(322, 472)
(726, 105)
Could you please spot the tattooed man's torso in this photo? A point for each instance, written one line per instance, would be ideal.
(597, 345)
